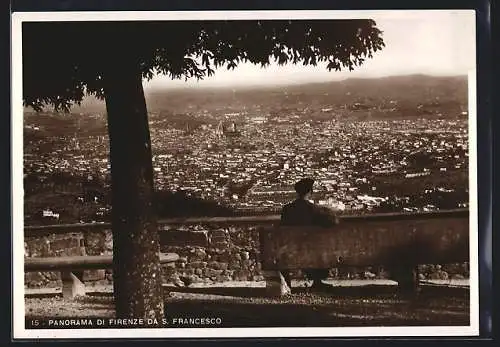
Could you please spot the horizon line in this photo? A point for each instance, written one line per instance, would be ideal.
(298, 83)
(267, 86)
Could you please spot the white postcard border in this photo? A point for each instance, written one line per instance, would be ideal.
(19, 331)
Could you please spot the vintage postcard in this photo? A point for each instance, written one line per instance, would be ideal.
(244, 174)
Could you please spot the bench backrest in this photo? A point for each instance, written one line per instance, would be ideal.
(81, 262)
(430, 239)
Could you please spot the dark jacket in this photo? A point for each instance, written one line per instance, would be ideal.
(302, 212)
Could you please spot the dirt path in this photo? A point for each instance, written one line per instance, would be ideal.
(375, 305)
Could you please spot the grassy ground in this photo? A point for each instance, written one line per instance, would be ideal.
(247, 307)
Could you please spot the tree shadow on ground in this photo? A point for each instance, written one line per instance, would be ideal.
(340, 307)
(334, 314)
(248, 307)
(369, 291)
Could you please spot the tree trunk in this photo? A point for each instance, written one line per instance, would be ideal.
(136, 264)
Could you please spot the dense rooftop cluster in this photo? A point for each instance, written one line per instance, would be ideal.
(251, 160)
(256, 167)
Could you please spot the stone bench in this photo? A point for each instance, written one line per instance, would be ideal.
(398, 242)
(72, 267)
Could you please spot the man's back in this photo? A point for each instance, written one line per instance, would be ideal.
(302, 212)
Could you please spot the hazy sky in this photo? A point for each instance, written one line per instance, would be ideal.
(428, 42)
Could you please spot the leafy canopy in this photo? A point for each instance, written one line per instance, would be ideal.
(63, 61)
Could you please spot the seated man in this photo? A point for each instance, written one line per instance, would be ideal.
(302, 212)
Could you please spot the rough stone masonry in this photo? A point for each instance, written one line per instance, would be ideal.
(207, 255)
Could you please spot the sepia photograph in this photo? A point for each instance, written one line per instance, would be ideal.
(244, 174)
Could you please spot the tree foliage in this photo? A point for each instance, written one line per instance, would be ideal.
(62, 61)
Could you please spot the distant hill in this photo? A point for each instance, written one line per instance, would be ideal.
(89, 104)
(446, 95)
(412, 87)
(406, 96)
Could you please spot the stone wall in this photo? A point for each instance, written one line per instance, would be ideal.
(72, 244)
(207, 255)
(216, 255)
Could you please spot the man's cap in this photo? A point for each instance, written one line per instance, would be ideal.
(304, 186)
